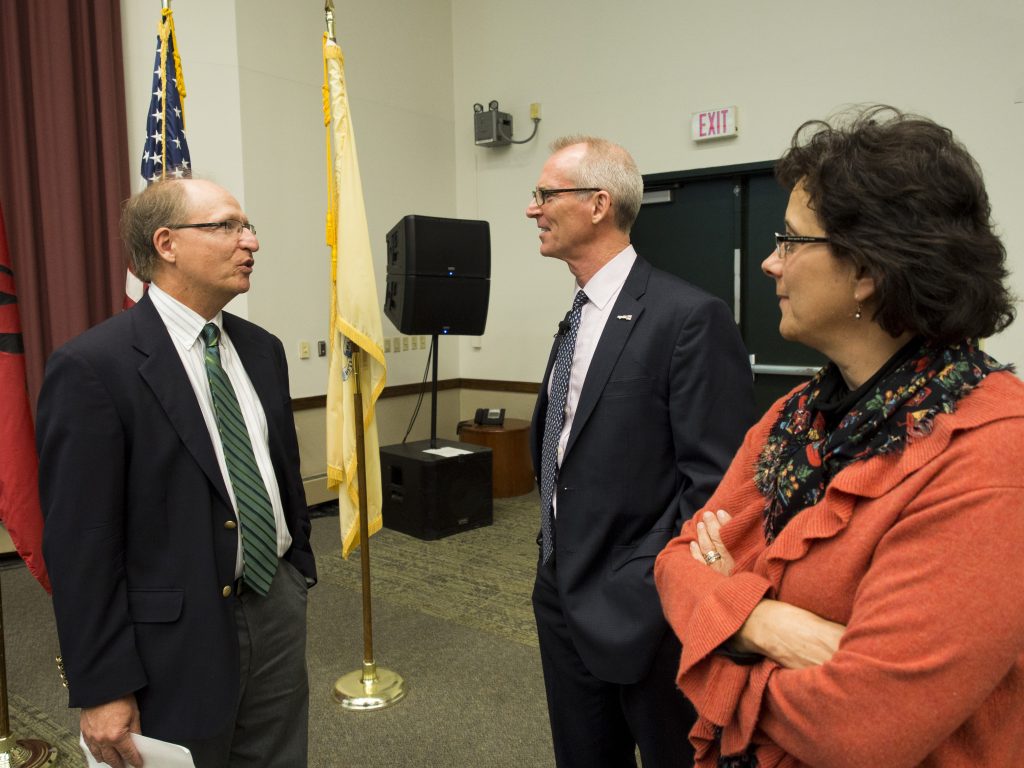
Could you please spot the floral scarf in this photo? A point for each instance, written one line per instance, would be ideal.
(813, 439)
(802, 454)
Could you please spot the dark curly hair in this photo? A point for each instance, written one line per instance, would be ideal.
(904, 201)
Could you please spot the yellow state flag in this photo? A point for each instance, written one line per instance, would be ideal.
(355, 316)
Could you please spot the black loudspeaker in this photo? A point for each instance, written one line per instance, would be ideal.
(430, 496)
(427, 245)
(438, 275)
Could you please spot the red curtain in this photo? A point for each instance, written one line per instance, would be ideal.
(63, 166)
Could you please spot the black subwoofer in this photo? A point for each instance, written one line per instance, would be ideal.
(430, 496)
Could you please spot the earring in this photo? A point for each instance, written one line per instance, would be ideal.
(857, 315)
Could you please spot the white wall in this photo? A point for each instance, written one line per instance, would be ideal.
(253, 70)
(635, 72)
(631, 72)
(207, 44)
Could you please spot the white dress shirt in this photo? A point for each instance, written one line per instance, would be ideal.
(184, 326)
(602, 290)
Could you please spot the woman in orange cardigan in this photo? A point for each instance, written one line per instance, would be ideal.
(851, 596)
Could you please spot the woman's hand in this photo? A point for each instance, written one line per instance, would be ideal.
(790, 636)
(708, 548)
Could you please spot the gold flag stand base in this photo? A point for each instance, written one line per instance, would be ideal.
(26, 753)
(372, 687)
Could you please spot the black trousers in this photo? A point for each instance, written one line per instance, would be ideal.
(597, 724)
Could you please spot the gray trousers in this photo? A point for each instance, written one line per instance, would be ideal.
(271, 724)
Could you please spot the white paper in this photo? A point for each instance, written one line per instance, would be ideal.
(447, 451)
(155, 753)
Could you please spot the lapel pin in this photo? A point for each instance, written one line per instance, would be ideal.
(623, 317)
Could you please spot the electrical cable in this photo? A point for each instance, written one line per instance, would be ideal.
(536, 122)
(419, 400)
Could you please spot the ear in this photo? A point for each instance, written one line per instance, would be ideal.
(601, 206)
(864, 286)
(163, 244)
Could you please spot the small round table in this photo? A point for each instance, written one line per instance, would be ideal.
(510, 450)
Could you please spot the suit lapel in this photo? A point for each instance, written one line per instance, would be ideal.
(163, 373)
(540, 409)
(256, 360)
(613, 339)
(259, 365)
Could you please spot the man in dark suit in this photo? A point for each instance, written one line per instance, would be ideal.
(176, 530)
(646, 397)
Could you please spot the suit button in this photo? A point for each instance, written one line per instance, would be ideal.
(226, 591)
(230, 525)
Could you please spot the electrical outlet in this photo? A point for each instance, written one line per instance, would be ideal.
(396, 344)
(387, 345)
(321, 349)
(405, 343)
(303, 350)
(423, 342)
(535, 111)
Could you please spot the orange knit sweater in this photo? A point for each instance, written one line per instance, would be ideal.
(921, 555)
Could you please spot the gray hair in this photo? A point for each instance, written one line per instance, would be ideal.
(158, 205)
(610, 167)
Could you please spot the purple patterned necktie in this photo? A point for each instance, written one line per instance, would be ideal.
(554, 421)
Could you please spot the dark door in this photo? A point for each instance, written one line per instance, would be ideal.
(714, 227)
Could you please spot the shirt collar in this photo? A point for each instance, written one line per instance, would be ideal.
(609, 279)
(183, 324)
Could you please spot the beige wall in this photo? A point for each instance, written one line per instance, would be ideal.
(393, 414)
(631, 72)
(253, 71)
(635, 73)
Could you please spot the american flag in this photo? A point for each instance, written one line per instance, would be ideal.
(165, 153)
(166, 150)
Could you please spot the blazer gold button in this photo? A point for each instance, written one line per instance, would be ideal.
(226, 592)
(230, 525)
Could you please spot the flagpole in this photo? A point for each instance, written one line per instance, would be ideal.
(329, 16)
(372, 687)
(17, 753)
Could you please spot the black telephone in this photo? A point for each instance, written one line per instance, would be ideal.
(492, 417)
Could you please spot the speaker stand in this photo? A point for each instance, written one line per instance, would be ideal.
(433, 394)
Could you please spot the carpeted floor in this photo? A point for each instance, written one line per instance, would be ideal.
(452, 616)
(480, 579)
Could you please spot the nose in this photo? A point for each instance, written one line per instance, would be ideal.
(772, 266)
(533, 210)
(248, 241)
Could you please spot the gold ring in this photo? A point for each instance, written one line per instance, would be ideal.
(712, 556)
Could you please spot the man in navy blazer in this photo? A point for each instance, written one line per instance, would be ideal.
(659, 398)
(160, 633)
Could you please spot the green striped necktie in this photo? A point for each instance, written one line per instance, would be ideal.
(259, 531)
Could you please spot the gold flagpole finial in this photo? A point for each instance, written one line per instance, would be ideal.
(329, 14)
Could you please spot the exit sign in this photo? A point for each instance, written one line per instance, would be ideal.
(714, 124)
